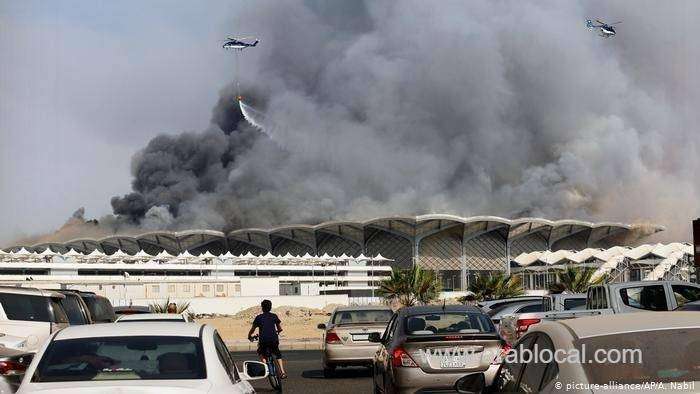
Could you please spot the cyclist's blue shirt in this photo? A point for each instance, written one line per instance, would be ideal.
(267, 323)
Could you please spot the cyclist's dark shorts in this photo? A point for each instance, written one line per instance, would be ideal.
(272, 347)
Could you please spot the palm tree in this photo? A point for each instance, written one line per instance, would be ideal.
(495, 286)
(426, 286)
(410, 286)
(169, 307)
(575, 280)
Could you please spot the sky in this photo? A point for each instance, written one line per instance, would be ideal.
(84, 85)
(509, 108)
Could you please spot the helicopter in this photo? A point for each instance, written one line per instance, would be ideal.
(606, 29)
(238, 43)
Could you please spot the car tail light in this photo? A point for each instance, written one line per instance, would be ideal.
(524, 324)
(9, 368)
(332, 337)
(402, 359)
(501, 355)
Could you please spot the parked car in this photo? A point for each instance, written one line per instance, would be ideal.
(13, 364)
(138, 358)
(420, 346)
(131, 310)
(77, 311)
(346, 336)
(489, 305)
(564, 302)
(101, 309)
(32, 314)
(155, 317)
(653, 334)
(610, 298)
(514, 307)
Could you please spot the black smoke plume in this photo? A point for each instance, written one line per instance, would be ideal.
(480, 107)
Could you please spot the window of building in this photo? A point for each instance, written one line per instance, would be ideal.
(220, 288)
(205, 288)
(155, 289)
(186, 288)
(172, 288)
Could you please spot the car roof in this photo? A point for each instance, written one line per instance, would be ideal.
(593, 326)
(362, 308)
(30, 291)
(151, 316)
(168, 329)
(422, 309)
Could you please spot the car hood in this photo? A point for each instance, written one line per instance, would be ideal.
(120, 387)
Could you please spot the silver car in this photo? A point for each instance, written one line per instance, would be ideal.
(427, 348)
(661, 347)
(346, 336)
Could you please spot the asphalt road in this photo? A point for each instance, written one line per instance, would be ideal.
(306, 376)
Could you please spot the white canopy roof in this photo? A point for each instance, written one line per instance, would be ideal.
(119, 255)
(141, 254)
(163, 255)
(72, 253)
(47, 252)
(95, 254)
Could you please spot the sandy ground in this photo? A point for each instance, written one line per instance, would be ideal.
(297, 323)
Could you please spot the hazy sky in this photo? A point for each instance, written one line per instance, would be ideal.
(84, 84)
(466, 107)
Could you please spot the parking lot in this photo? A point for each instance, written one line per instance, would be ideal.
(306, 376)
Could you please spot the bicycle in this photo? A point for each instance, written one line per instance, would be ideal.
(274, 375)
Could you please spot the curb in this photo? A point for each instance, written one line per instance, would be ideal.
(246, 346)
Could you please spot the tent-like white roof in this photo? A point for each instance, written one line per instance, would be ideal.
(95, 254)
(664, 266)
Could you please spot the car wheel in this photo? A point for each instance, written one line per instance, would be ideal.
(328, 371)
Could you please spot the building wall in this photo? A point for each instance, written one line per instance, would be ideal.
(233, 305)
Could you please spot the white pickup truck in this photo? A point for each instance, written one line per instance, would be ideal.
(610, 298)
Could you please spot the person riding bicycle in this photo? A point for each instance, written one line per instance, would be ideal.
(268, 325)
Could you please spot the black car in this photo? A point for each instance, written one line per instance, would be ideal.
(131, 310)
(76, 309)
(101, 309)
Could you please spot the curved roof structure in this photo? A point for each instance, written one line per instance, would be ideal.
(403, 238)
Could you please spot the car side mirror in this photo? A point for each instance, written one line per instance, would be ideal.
(321, 326)
(471, 384)
(254, 370)
(374, 337)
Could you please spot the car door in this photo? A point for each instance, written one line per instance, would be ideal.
(238, 385)
(536, 375)
(507, 379)
(381, 358)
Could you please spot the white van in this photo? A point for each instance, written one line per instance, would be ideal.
(32, 314)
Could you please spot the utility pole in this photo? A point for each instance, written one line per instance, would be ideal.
(696, 248)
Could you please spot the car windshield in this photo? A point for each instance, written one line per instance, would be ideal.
(448, 323)
(362, 316)
(658, 362)
(122, 358)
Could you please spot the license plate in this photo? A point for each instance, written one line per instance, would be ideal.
(453, 363)
(360, 337)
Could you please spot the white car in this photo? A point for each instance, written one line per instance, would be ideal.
(160, 317)
(140, 357)
(32, 314)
